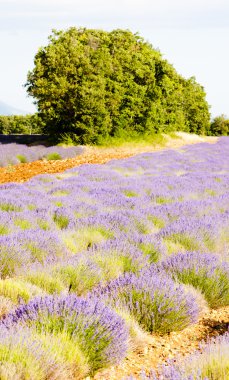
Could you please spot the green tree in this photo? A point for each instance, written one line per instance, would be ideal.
(95, 84)
(21, 124)
(219, 126)
(195, 107)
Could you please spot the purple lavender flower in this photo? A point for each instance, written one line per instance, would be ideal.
(157, 303)
(99, 331)
(206, 272)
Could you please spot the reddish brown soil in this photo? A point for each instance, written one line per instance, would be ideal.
(156, 349)
(91, 155)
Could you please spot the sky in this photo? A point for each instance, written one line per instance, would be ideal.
(193, 35)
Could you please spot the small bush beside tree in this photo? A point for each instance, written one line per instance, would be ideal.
(219, 126)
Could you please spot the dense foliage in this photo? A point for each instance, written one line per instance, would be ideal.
(219, 126)
(21, 124)
(94, 84)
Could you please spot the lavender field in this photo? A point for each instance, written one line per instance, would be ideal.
(13, 154)
(93, 257)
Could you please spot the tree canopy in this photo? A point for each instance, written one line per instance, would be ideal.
(219, 126)
(95, 84)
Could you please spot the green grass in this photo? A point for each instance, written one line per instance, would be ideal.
(16, 289)
(143, 228)
(21, 158)
(124, 138)
(159, 223)
(58, 204)
(66, 352)
(46, 282)
(8, 207)
(22, 223)
(43, 224)
(3, 230)
(211, 363)
(181, 243)
(130, 193)
(9, 262)
(85, 238)
(61, 221)
(215, 288)
(80, 278)
(211, 192)
(19, 363)
(163, 200)
(31, 207)
(37, 253)
(6, 305)
(53, 156)
(60, 193)
(66, 175)
(150, 251)
(115, 264)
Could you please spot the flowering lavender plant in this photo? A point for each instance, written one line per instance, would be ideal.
(156, 302)
(70, 232)
(206, 272)
(100, 333)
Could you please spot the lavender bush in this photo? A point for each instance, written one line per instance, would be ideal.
(205, 272)
(155, 301)
(22, 356)
(100, 333)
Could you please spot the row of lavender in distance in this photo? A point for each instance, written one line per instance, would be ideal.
(147, 237)
(13, 154)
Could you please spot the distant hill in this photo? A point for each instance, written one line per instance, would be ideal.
(5, 109)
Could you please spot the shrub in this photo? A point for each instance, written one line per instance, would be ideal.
(21, 158)
(80, 277)
(219, 126)
(53, 156)
(156, 302)
(205, 272)
(99, 332)
(26, 356)
(11, 260)
(17, 290)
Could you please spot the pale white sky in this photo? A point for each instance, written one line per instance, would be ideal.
(193, 35)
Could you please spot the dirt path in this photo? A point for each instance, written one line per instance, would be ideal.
(93, 155)
(156, 349)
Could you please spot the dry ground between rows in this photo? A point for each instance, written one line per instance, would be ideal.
(157, 349)
(93, 155)
(153, 349)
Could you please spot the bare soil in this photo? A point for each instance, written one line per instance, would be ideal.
(94, 155)
(157, 349)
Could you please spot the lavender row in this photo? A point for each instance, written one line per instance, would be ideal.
(13, 154)
(145, 239)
